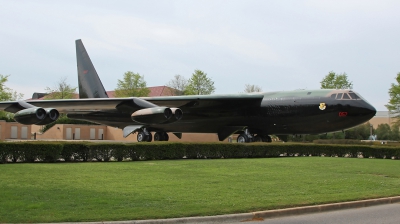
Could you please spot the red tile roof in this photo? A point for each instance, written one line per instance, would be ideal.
(154, 91)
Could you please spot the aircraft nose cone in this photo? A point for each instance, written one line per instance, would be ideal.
(361, 111)
(367, 110)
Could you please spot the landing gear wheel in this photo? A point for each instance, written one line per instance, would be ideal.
(242, 138)
(144, 136)
(258, 138)
(140, 136)
(158, 136)
(149, 137)
(161, 136)
(266, 138)
(166, 137)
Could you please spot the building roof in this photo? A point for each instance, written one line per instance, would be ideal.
(382, 114)
(154, 91)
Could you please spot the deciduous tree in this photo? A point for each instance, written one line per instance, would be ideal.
(199, 84)
(7, 94)
(132, 84)
(252, 88)
(384, 132)
(394, 102)
(361, 132)
(178, 85)
(62, 90)
(336, 81)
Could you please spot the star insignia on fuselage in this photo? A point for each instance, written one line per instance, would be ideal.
(322, 106)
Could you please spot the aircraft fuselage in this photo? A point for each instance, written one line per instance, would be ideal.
(286, 112)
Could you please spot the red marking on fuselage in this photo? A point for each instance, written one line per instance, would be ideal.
(342, 114)
(85, 71)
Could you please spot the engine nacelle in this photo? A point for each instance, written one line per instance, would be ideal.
(177, 113)
(52, 115)
(36, 115)
(153, 115)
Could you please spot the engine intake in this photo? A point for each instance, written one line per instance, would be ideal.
(36, 115)
(177, 113)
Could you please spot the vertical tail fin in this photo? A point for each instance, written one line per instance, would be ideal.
(90, 85)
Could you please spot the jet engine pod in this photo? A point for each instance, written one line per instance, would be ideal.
(177, 113)
(52, 115)
(36, 115)
(30, 116)
(153, 115)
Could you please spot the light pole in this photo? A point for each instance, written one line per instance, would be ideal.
(370, 132)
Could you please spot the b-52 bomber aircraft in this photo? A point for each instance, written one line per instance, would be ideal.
(253, 116)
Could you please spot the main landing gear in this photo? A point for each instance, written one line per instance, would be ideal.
(161, 136)
(246, 136)
(145, 136)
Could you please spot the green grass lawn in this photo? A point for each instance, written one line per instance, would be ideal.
(66, 192)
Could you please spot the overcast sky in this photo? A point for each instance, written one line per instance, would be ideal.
(277, 45)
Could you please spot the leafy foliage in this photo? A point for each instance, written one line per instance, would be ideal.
(252, 88)
(84, 151)
(7, 94)
(62, 90)
(177, 85)
(199, 84)
(394, 102)
(336, 81)
(384, 132)
(133, 84)
(8, 117)
(387, 132)
(361, 132)
(395, 135)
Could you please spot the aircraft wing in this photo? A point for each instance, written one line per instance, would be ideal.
(65, 105)
(211, 103)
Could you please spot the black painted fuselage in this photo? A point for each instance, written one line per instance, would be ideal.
(286, 112)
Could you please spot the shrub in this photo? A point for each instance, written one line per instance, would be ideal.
(85, 151)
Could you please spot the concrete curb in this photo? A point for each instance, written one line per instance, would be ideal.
(261, 215)
(325, 207)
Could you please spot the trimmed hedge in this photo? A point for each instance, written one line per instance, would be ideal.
(33, 151)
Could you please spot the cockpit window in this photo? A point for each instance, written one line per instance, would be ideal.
(354, 96)
(346, 96)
